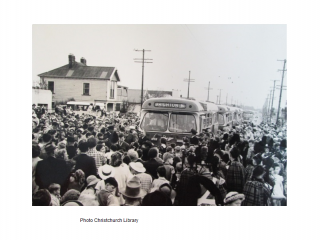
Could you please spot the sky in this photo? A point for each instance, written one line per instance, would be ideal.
(242, 60)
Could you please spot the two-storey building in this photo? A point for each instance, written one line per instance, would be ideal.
(85, 83)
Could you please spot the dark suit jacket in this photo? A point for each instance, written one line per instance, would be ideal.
(151, 166)
(142, 140)
(124, 146)
(86, 164)
(52, 170)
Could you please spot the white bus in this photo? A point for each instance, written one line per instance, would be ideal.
(174, 118)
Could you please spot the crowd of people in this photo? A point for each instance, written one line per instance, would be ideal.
(99, 160)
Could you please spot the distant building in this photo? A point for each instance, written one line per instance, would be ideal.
(85, 83)
(134, 97)
(41, 97)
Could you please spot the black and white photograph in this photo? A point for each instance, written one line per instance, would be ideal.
(176, 108)
(159, 115)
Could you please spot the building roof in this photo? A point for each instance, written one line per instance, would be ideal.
(80, 70)
(134, 95)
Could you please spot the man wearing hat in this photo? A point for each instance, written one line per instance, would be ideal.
(52, 170)
(105, 172)
(122, 143)
(84, 162)
(132, 193)
(233, 199)
(137, 169)
(193, 139)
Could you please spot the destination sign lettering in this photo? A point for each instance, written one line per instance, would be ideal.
(170, 105)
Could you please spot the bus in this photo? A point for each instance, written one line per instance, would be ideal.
(78, 106)
(173, 118)
(236, 115)
(225, 117)
(248, 116)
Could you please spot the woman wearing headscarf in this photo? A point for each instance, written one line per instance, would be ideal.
(77, 180)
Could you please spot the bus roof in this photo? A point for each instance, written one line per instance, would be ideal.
(180, 104)
(210, 106)
(224, 108)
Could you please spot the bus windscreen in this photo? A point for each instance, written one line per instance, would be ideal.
(155, 121)
(182, 122)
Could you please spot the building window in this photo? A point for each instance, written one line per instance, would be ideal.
(51, 86)
(86, 87)
(118, 106)
(112, 89)
(119, 92)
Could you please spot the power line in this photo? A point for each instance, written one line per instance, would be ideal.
(143, 62)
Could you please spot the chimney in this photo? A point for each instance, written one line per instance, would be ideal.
(84, 61)
(72, 59)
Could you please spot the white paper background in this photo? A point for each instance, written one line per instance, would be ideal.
(19, 220)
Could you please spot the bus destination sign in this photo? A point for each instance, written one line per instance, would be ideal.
(170, 105)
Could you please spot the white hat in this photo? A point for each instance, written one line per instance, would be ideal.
(137, 166)
(106, 171)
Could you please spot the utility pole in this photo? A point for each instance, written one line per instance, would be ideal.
(231, 99)
(188, 80)
(208, 91)
(220, 95)
(227, 99)
(269, 105)
(217, 98)
(284, 66)
(274, 83)
(139, 60)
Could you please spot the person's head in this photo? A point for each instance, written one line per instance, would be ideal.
(71, 194)
(83, 146)
(35, 150)
(121, 137)
(54, 188)
(256, 159)
(92, 142)
(276, 168)
(46, 137)
(168, 158)
(258, 172)
(61, 154)
(110, 184)
(233, 199)
(101, 148)
(50, 149)
(41, 198)
(161, 171)
(78, 176)
(116, 159)
(226, 157)
(234, 153)
(126, 159)
(142, 133)
(156, 198)
(133, 154)
(153, 152)
(136, 168)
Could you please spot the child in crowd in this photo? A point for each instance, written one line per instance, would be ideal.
(54, 190)
(161, 172)
(109, 195)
